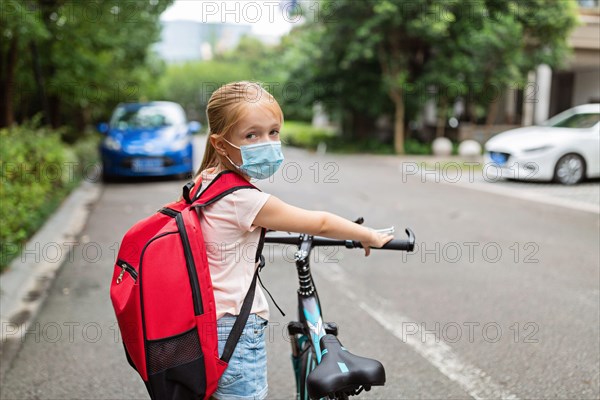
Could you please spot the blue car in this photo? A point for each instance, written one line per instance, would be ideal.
(147, 139)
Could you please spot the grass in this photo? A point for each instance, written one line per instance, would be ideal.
(302, 134)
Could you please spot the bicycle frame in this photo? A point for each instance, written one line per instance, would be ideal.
(310, 317)
(306, 333)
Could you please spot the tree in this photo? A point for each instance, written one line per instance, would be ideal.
(192, 83)
(477, 60)
(19, 28)
(313, 56)
(492, 45)
(399, 35)
(83, 56)
(473, 47)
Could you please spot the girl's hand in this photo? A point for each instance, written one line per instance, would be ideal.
(377, 240)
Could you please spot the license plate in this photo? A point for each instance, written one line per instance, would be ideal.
(146, 164)
(498, 158)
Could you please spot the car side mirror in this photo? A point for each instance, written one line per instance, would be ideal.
(102, 128)
(194, 126)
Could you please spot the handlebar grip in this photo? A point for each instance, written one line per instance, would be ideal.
(410, 243)
(394, 244)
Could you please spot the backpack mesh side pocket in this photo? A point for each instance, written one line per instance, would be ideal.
(176, 365)
(171, 352)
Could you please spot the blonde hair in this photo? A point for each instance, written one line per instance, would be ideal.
(226, 106)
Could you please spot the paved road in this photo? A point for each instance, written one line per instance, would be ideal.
(475, 174)
(500, 300)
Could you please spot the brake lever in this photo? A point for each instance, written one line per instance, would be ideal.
(388, 231)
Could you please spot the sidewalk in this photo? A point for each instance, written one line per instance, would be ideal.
(24, 285)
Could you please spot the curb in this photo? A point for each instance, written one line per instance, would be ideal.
(24, 286)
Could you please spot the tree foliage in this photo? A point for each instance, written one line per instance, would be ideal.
(392, 52)
(192, 83)
(74, 60)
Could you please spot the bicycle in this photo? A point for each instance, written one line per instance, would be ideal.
(323, 367)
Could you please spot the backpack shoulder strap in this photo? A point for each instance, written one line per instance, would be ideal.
(224, 183)
(240, 321)
(187, 190)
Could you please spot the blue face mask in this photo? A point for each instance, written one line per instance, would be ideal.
(259, 160)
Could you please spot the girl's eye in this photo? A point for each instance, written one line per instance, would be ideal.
(250, 136)
(274, 132)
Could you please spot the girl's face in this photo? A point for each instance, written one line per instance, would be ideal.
(257, 126)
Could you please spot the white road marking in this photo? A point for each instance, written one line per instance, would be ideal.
(531, 196)
(489, 186)
(473, 380)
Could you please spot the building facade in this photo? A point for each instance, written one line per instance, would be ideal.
(183, 40)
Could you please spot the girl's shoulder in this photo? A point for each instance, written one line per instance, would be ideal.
(248, 197)
(246, 203)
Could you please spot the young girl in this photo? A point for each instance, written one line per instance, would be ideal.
(244, 123)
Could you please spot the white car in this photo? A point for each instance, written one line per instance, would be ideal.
(566, 149)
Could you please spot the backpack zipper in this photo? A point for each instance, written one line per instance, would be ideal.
(128, 268)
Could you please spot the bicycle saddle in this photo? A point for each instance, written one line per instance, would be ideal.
(341, 373)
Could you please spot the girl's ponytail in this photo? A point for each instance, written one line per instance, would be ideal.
(209, 159)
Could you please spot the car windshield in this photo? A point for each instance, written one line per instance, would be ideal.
(147, 116)
(578, 121)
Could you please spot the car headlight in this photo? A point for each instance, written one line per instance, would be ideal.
(180, 144)
(112, 144)
(537, 149)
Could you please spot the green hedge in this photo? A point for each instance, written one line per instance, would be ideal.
(37, 172)
(302, 134)
(413, 146)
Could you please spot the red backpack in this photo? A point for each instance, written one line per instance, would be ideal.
(163, 297)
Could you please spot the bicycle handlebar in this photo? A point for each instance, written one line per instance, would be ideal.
(394, 244)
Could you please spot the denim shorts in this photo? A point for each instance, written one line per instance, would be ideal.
(246, 374)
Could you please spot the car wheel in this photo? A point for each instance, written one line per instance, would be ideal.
(570, 169)
(107, 179)
(183, 176)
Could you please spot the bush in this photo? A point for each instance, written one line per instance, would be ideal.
(37, 171)
(87, 155)
(302, 134)
(413, 146)
(372, 146)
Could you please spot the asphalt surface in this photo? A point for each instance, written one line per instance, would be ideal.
(501, 299)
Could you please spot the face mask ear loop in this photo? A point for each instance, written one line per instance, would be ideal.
(229, 159)
(232, 163)
(232, 144)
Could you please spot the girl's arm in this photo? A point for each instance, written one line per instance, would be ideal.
(280, 216)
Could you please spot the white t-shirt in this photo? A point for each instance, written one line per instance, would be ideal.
(231, 242)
